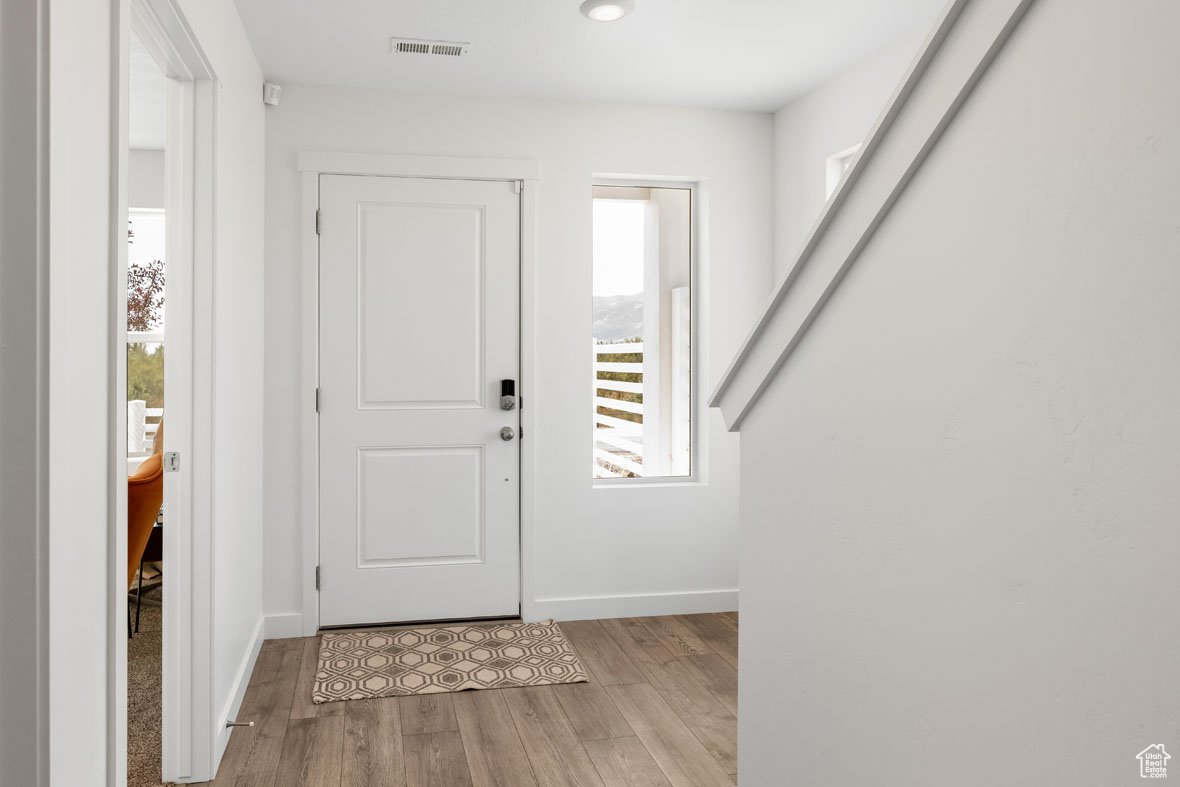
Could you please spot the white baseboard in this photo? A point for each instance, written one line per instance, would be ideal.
(635, 606)
(290, 624)
(284, 626)
(241, 680)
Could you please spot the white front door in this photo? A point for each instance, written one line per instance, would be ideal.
(419, 285)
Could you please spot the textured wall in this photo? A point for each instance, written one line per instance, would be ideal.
(959, 496)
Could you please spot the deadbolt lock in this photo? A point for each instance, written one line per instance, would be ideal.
(508, 394)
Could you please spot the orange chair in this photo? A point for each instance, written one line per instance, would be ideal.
(145, 493)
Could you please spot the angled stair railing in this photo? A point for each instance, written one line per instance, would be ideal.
(962, 45)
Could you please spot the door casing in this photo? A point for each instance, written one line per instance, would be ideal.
(311, 166)
(382, 274)
(191, 745)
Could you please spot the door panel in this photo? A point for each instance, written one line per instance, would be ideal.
(420, 506)
(419, 322)
(420, 313)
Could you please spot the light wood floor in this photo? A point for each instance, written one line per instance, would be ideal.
(660, 710)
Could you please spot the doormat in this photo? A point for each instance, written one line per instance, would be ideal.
(393, 662)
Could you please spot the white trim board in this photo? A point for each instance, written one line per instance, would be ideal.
(286, 625)
(963, 44)
(312, 164)
(398, 166)
(634, 606)
(117, 394)
(241, 683)
(698, 326)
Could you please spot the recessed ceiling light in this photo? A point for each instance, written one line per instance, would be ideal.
(607, 10)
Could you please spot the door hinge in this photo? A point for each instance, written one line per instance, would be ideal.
(317, 577)
(517, 185)
(317, 221)
(317, 400)
(171, 462)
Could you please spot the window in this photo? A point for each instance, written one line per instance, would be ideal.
(838, 164)
(145, 328)
(642, 332)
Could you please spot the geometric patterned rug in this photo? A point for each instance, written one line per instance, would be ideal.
(366, 664)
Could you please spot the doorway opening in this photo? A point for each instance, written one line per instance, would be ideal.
(164, 731)
(146, 378)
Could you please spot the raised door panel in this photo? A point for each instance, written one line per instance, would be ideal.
(420, 275)
(420, 506)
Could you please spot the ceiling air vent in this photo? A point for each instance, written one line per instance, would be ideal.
(417, 46)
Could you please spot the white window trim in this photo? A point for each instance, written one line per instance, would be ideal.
(837, 165)
(698, 436)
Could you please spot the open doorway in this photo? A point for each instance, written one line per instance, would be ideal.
(163, 343)
(146, 380)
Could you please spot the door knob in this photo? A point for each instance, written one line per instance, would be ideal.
(506, 433)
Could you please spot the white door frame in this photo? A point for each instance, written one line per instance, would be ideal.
(188, 750)
(311, 166)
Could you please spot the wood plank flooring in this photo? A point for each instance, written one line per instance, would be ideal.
(660, 710)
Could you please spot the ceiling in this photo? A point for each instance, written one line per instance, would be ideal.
(732, 54)
(147, 103)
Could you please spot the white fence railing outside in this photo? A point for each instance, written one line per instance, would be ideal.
(140, 433)
(644, 428)
(618, 442)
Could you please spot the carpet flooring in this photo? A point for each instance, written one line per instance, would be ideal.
(143, 694)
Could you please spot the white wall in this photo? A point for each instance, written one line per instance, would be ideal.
(959, 540)
(591, 543)
(145, 179)
(237, 502)
(829, 119)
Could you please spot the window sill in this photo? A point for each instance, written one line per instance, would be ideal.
(647, 483)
